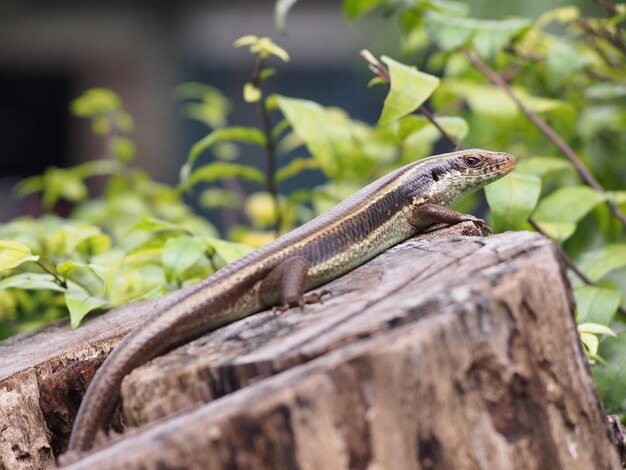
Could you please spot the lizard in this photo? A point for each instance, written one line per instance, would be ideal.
(379, 216)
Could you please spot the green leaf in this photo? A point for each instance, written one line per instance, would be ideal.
(605, 91)
(354, 9)
(123, 149)
(95, 101)
(179, 254)
(512, 199)
(409, 89)
(611, 377)
(595, 329)
(266, 47)
(80, 303)
(83, 275)
(487, 36)
(596, 304)
(562, 60)
(248, 135)
(327, 136)
(94, 245)
(541, 166)
(490, 101)
(246, 41)
(455, 126)
(294, 167)
(618, 197)
(217, 197)
(591, 343)
(251, 94)
(152, 224)
(28, 186)
(569, 204)
(566, 14)
(281, 9)
(598, 263)
(559, 231)
(31, 281)
(12, 254)
(227, 252)
(220, 170)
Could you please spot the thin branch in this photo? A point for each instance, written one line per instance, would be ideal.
(569, 263)
(56, 277)
(270, 144)
(546, 129)
(381, 71)
(608, 6)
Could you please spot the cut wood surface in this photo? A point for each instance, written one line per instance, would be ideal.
(441, 353)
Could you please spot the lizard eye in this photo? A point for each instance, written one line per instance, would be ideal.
(472, 161)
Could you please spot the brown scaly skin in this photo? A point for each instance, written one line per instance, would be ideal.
(379, 216)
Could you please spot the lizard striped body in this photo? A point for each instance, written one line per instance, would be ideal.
(379, 216)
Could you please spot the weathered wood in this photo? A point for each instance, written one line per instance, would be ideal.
(456, 353)
(43, 375)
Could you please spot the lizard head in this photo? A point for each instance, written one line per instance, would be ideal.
(453, 176)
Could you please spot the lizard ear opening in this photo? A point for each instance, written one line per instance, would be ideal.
(436, 174)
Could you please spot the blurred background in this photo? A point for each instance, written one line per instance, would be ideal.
(50, 52)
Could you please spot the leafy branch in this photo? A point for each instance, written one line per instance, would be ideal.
(253, 92)
(383, 74)
(379, 69)
(545, 128)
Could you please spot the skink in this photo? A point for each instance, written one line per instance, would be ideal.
(384, 213)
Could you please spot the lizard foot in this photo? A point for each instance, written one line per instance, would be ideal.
(312, 298)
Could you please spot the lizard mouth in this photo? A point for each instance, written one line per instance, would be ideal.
(504, 163)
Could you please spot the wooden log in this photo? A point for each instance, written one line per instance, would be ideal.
(441, 353)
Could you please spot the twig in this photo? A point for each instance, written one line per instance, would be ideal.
(270, 144)
(546, 129)
(381, 71)
(569, 263)
(608, 6)
(56, 277)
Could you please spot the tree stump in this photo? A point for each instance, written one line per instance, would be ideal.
(447, 351)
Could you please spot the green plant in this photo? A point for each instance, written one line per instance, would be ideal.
(137, 241)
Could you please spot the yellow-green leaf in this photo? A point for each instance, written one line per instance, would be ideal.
(567, 206)
(328, 137)
(598, 263)
(596, 329)
(80, 303)
(246, 41)
(596, 304)
(251, 94)
(179, 254)
(409, 89)
(31, 281)
(512, 199)
(12, 254)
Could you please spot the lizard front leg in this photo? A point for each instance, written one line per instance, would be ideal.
(285, 285)
(429, 214)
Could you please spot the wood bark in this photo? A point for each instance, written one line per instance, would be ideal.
(441, 353)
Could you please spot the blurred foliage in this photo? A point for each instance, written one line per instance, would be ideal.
(140, 240)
